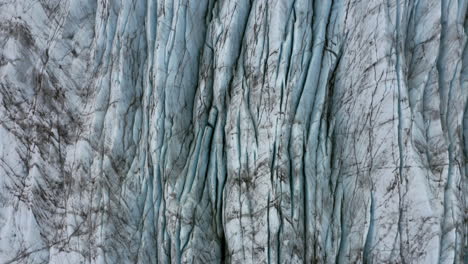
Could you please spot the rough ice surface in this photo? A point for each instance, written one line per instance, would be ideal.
(233, 131)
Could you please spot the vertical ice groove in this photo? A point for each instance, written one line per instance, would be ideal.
(401, 182)
(233, 131)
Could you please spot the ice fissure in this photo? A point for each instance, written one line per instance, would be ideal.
(233, 131)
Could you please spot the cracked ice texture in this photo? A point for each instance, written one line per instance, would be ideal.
(233, 131)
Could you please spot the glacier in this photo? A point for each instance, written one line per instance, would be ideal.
(233, 131)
